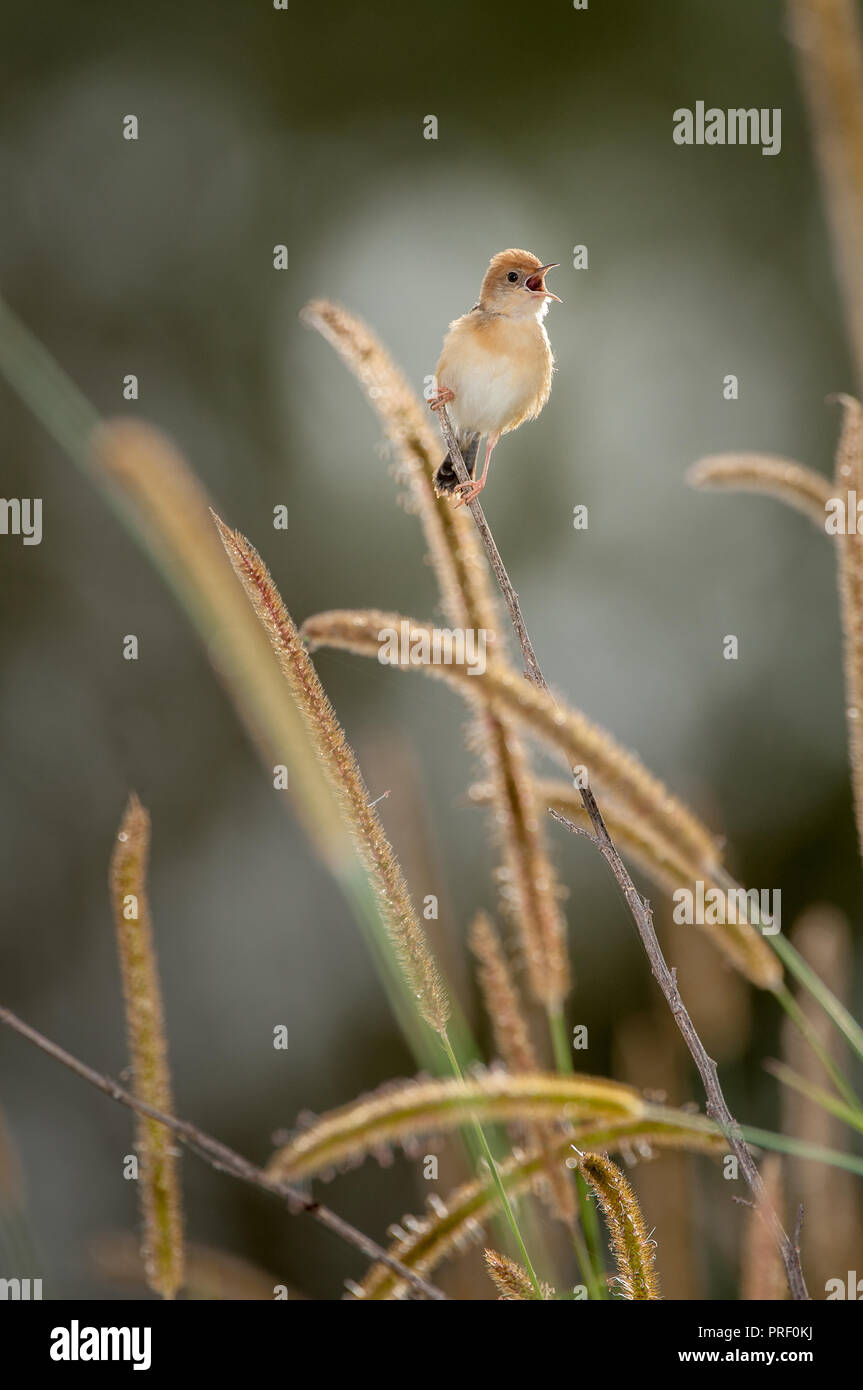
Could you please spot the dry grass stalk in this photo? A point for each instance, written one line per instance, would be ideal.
(408, 1109)
(565, 730)
(642, 841)
(647, 1054)
(510, 1280)
(449, 1226)
(159, 1185)
(849, 478)
(631, 1244)
(661, 831)
(661, 861)
(502, 1004)
(328, 739)
(405, 1110)
(513, 1044)
(793, 483)
(827, 38)
(455, 553)
(532, 894)
(169, 510)
(762, 1278)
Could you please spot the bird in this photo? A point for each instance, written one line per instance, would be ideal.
(496, 365)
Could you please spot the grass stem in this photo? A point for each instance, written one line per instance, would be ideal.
(489, 1158)
(588, 1246)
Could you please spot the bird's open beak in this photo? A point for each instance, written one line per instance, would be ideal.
(536, 282)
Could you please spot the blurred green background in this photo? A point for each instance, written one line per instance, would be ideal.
(154, 257)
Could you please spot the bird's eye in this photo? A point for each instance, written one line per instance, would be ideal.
(512, 277)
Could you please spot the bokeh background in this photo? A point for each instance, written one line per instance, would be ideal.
(154, 257)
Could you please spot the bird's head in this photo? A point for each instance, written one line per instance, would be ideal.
(514, 284)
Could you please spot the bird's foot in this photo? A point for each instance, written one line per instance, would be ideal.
(441, 398)
(469, 492)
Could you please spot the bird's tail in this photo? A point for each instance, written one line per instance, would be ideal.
(445, 479)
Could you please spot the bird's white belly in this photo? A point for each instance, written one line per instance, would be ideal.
(491, 390)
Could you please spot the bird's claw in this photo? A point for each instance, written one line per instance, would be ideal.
(441, 398)
(469, 493)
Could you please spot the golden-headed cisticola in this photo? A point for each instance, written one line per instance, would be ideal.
(495, 368)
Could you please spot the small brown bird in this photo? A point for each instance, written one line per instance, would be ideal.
(496, 365)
